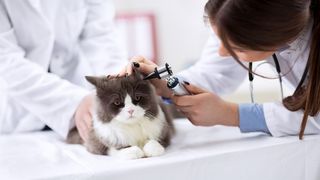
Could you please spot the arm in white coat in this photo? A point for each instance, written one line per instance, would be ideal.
(282, 122)
(215, 73)
(44, 95)
(275, 119)
(99, 40)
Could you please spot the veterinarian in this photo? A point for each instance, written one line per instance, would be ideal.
(286, 33)
(46, 49)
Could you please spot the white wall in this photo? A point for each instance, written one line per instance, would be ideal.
(180, 27)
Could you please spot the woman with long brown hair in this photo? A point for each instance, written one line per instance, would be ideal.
(286, 34)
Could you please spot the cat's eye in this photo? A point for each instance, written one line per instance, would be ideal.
(117, 102)
(137, 98)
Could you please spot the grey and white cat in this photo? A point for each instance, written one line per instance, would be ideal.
(129, 120)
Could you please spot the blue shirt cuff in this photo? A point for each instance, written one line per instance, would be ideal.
(252, 118)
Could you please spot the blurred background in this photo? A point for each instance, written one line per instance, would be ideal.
(174, 31)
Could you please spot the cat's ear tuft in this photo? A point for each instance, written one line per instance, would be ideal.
(92, 79)
(137, 74)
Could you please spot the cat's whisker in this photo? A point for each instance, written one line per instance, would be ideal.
(168, 125)
(153, 117)
(150, 115)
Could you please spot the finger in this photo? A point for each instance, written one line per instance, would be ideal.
(144, 68)
(129, 69)
(141, 59)
(88, 121)
(122, 72)
(113, 76)
(143, 65)
(193, 121)
(186, 114)
(184, 109)
(91, 111)
(193, 89)
(183, 100)
(82, 131)
(189, 115)
(84, 128)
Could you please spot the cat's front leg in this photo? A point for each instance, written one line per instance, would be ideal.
(94, 146)
(98, 149)
(132, 152)
(153, 148)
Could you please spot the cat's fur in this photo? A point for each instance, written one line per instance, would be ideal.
(129, 120)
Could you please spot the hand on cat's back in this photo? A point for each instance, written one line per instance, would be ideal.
(83, 117)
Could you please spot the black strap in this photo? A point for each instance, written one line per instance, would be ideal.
(276, 62)
(304, 76)
(250, 72)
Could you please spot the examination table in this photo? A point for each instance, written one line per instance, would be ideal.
(196, 153)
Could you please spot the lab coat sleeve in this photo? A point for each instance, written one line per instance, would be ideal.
(99, 41)
(282, 122)
(44, 95)
(251, 118)
(218, 74)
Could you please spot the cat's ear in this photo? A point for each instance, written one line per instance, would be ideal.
(137, 75)
(92, 79)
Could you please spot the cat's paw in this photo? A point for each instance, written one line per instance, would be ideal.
(133, 152)
(153, 148)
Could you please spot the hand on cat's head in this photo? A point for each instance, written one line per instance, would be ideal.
(145, 67)
(138, 63)
(99, 81)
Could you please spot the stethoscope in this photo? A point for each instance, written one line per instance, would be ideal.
(278, 69)
(251, 77)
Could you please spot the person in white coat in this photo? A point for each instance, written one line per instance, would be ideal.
(286, 33)
(46, 49)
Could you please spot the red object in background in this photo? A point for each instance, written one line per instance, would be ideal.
(138, 34)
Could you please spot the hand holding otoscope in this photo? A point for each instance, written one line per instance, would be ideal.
(202, 108)
(173, 82)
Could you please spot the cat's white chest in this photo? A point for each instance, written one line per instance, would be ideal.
(135, 134)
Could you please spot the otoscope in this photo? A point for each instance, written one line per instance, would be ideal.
(173, 83)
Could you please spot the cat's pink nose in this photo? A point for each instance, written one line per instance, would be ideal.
(131, 111)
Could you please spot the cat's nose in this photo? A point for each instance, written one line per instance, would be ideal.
(130, 111)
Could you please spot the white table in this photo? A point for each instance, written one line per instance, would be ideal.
(220, 153)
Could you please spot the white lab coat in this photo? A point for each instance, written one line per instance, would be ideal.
(223, 75)
(71, 38)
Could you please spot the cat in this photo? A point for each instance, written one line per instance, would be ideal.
(129, 120)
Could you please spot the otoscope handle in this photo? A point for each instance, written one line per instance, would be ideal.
(177, 88)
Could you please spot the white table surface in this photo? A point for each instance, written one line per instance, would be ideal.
(220, 153)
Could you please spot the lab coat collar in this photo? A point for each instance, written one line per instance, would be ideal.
(293, 49)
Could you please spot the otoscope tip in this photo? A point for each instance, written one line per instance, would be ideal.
(150, 76)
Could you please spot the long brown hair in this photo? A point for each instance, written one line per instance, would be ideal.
(264, 25)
